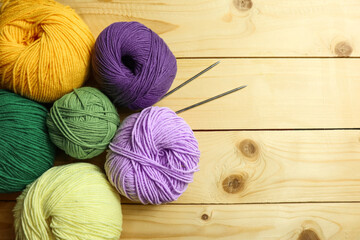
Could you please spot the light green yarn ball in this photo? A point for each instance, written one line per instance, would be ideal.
(69, 202)
(83, 122)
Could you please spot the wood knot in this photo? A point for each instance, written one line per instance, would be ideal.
(343, 49)
(234, 183)
(204, 217)
(249, 148)
(308, 234)
(242, 5)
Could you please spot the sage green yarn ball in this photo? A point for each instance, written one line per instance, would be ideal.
(83, 122)
(26, 151)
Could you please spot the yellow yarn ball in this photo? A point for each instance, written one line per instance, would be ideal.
(45, 49)
(73, 201)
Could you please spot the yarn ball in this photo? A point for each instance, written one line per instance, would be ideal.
(44, 49)
(153, 156)
(133, 65)
(73, 201)
(25, 147)
(83, 122)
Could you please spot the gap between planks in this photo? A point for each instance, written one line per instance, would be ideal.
(275, 129)
(226, 204)
(267, 57)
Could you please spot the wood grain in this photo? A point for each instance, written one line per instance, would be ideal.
(253, 183)
(280, 221)
(271, 166)
(255, 221)
(276, 166)
(6, 220)
(237, 28)
(281, 93)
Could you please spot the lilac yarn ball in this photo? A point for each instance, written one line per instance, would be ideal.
(153, 156)
(133, 64)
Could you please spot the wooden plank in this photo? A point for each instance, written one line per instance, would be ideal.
(276, 166)
(270, 166)
(237, 28)
(281, 93)
(258, 221)
(280, 221)
(6, 220)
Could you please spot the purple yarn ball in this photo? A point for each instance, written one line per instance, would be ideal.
(153, 156)
(133, 64)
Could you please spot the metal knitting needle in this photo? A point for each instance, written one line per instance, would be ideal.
(210, 99)
(192, 78)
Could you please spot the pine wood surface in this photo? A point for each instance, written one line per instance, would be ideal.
(300, 221)
(280, 159)
(237, 28)
(280, 93)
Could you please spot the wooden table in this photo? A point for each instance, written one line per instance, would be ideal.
(279, 159)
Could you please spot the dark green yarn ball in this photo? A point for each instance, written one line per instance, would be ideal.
(25, 147)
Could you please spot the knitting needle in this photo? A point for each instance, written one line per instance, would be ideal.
(192, 78)
(210, 99)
